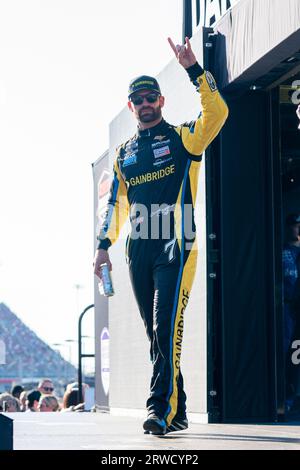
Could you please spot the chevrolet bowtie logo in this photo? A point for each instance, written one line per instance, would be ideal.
(160, 137)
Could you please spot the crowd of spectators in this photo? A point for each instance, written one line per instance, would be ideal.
(27, 356)
(42, 399)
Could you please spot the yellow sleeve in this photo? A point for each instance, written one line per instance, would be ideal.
(116, 212)
(197, 135)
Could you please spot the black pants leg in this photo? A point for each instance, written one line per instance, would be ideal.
(140, 272)
(162, 290)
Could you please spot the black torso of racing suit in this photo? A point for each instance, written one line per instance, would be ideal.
(155, 181)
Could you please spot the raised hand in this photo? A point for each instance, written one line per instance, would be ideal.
(184, 54)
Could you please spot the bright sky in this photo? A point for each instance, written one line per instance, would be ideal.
(64, 71)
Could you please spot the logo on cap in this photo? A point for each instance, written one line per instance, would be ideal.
(143, 83)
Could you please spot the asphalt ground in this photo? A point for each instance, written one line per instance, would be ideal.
(102, 432)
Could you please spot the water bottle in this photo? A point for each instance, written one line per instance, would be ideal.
(105, 285)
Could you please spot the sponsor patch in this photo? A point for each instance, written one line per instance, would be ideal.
(131, 147)
(160, 162)
(160, 144)
(211, 81)
(130, 160)
(160, 137)
(161, 151)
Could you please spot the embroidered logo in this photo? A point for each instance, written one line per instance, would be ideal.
(211, 81)
(161, 143)
(161, 161)
(161, 151)
(130, 160)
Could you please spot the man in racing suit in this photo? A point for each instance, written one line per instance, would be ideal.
(155, 178)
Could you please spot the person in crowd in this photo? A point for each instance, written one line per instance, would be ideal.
(46, 387)
(32, 402)
(48, 403)
(71, 401)
(291, 275)
(75, 386)
(8, 403)
(16, 391)
(291, 281)
(23, 400)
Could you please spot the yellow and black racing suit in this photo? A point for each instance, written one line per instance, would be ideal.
(155, 178)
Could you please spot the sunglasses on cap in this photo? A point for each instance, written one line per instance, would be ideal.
(139, 99)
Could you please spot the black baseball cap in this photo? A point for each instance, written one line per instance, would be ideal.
(144, 82)
(292, 219)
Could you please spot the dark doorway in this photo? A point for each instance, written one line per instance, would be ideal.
(246, 359)
(253, 185)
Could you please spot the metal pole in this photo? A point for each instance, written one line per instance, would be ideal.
(80, 355)
(187, 26)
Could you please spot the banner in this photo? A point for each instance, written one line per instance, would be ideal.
(101, 176)
(200, 13)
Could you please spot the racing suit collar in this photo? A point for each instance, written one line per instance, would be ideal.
(161, 127)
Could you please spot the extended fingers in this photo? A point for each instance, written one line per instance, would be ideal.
(177, 49)
(173, 46)
(188, 44)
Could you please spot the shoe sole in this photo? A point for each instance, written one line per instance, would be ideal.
(177, 426)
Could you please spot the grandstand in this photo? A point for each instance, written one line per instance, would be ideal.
(27, 357)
